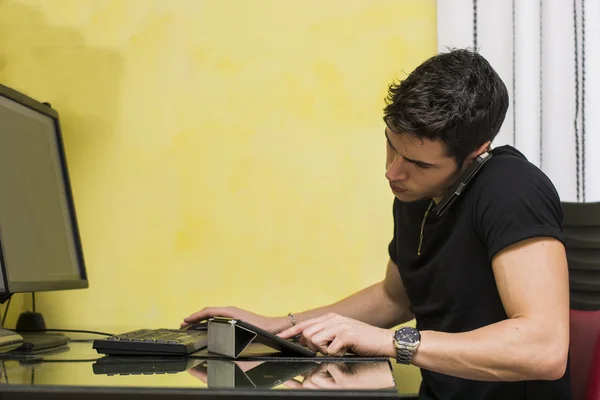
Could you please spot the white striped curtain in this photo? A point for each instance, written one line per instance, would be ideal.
(548, 54)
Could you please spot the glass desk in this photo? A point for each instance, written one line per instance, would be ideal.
(78, 371)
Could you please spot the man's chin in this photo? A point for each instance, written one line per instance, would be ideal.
(408, 197)
(405, 197)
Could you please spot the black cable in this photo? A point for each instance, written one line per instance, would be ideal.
(43, 360)
(6, 311)
(475, 25)
(576, 99)
(66, 330)
(33, 301)
(583, 101)
(514, 82)
(541, 86)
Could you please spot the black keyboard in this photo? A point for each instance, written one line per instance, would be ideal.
(149, 365)
(153, 342)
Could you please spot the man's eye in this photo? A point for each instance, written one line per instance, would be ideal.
(421, 166)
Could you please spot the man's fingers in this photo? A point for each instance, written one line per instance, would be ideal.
(338, 347)
(324, 338)
(314, 348)
(332, 340)
(197, 316)
(306, 343)
(308, 335)
(314, 329)
(308, 383)
(300, 327)
(198, 373)
(293, 384)
(337, 370)
(294, 330)
(206, 313)
(323, 380)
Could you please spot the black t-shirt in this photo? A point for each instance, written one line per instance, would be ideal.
(451, 285)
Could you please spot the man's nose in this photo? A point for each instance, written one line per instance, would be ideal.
(396, 170)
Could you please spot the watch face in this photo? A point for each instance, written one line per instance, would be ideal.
(407, 335)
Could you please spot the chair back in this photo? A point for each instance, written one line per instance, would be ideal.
(581, 228)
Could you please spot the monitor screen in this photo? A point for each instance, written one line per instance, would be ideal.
(40, 245)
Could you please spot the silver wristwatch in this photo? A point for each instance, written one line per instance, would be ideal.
(407, 341)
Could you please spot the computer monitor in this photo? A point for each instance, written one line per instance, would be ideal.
(40, 246)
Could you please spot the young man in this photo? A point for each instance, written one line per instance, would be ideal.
(487, 281)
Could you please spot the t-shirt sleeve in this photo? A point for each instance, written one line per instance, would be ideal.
(393, 246)
(516, 202)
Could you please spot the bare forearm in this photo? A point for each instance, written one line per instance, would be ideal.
(371, 305)
(505, 351)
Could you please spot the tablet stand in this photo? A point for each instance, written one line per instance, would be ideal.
(226, 374)
(228, 339)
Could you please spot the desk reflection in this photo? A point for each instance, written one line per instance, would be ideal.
(80, 367)
(354, 375)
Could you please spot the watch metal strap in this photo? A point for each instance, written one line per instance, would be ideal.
(403, 356)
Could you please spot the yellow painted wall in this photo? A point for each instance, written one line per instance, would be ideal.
(221, 152)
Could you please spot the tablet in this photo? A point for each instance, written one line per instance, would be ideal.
(269, 374)
(269, 339)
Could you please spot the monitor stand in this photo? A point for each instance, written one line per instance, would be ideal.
(31, 321)
(27, 320)
(31, 327)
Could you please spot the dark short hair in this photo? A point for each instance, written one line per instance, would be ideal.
(454, 97)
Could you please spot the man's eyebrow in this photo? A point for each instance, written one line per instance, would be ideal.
(418, 162)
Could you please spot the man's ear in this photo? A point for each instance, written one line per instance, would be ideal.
(482, 149)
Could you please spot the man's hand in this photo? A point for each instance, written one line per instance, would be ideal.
(200, 371)
(333, 375)
(332, 334)
(271, 324)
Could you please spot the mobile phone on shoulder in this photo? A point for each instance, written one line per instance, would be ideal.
(463, 181)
